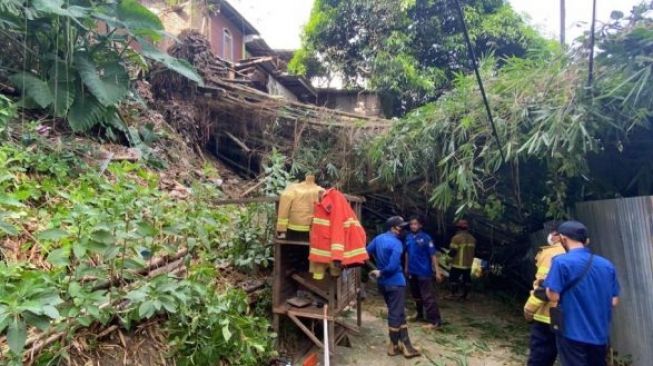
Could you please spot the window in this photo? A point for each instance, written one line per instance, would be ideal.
(227, 46)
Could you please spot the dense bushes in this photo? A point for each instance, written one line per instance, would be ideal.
(66, 226)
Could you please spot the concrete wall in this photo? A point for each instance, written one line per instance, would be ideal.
(622, 231)
(368, 104)
(275, 88)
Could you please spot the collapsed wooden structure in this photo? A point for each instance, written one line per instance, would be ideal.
(242, 124)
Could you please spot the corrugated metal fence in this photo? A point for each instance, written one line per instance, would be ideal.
(622, 231)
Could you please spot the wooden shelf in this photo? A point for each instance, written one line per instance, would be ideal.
(291, 242)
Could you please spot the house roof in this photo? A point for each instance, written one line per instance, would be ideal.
(230, 12)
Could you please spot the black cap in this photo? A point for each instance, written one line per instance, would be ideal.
(574, 230)
(395, 221)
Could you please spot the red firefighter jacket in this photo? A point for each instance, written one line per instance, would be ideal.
(336, 233)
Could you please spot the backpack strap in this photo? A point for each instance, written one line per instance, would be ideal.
(576, 281)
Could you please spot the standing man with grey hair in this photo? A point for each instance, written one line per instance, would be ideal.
(585, 288)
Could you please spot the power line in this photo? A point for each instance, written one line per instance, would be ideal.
(472, 56)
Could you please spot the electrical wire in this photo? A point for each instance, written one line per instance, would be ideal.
(472, 56)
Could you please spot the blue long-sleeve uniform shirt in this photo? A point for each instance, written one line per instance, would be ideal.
(420, 249)
(386, 250)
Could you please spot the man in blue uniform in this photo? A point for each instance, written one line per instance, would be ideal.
(386, 249)
(421, 260)
(586, 288)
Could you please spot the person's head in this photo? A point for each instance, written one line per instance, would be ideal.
(396, 224)
(573, 234)
(462, 224)
(416, 223)
(553, 237)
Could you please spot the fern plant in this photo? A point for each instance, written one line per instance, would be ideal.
(74, 56)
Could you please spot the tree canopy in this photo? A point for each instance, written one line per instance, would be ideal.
(564, 141)
(409, 51)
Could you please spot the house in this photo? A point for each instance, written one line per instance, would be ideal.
(234, 39)
(363, 102)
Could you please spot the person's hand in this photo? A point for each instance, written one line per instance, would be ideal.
(375, 273)
(528, 315)
(439, 278)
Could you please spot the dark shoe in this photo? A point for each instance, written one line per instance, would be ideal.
(406, 347)
(393, 347)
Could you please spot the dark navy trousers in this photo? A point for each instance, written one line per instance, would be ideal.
(543, 349)
(573, 353)
(395, 300)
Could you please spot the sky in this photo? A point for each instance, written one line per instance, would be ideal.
(280, 21)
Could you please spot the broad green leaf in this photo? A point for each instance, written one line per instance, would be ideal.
(52, 235)
(10, 202)
(140, 20)
(59, 257)
(79, 249)
(109, 83)
(85, 113)
(103, 236)
(33, 87)
(146, 310)
(58, 7)
(51, 311)
(226, 333)
(16, 335)
(181, 67)
(63, 96)
(8, 229)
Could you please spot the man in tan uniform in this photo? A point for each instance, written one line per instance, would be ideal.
(543, 350)
(461, 249)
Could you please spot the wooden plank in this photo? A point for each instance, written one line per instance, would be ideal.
(311, 286)
(306, 331)
(291, 242)
(244, 201)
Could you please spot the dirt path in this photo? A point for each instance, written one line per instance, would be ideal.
(480, 332)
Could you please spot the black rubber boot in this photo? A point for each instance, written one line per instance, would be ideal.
(393, 346)
(406, 347)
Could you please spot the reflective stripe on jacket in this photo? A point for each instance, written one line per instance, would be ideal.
(540, 308)
(465, 245)
(296, 205)
(336, 233)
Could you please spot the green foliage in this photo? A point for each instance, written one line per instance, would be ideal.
(406, 50)
(215, 326)
(91, 228)
(250, 247)
(562, 141)
(65, 62)
(276, 175)
(7, 112)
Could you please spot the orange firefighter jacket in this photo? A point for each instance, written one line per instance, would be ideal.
(533, 305)
(296, 205)
(336, 234)
(465, 245)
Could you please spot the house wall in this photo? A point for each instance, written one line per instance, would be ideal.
(367, 104)
(191, 15)
(218, 24)
(275, 88)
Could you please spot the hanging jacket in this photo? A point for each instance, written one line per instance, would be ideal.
(296, 205)
(533, 305)
(336, 234)
(464, 244)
